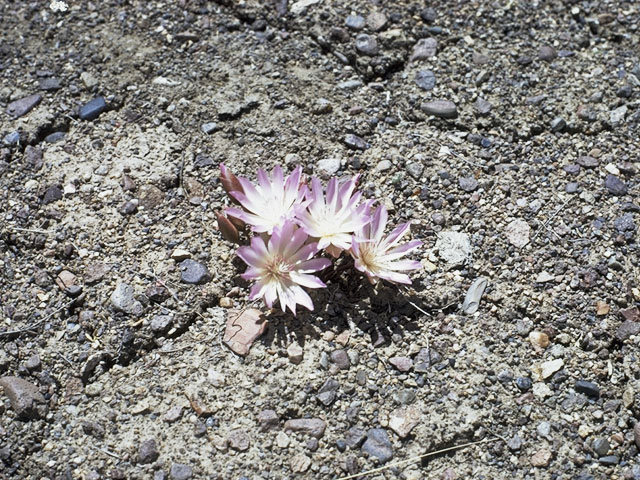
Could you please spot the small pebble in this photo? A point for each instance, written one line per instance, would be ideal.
(92, 109)
(194, 272)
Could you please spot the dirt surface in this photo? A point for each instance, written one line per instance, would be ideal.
(524, 172)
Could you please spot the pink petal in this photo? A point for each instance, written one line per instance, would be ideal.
(277, 180)
(313, 265)
(251, 196)
(308, 281)
(316, 193)
(297, 240)
(252, 257)
(378, 223)
(252, 273)
(402, 250)
(332, 194)
(395, 277)
(404, 265)
(302, 298)
(397, 234)
(305, 253)
(263, 181)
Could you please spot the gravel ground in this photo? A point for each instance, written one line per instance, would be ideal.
(506, 131)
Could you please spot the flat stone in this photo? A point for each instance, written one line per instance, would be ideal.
(355, 437)
(95, 272)
(33, 157)
(148, 452)
(123, 299)
(402, 364)
(587, 161)
(627, 329)
(194, 273)
(26, 400)
(542, 458)
(515, 443)
(308, 426)
(609, 460)
(601, 446)
(161, 323)
(268, 420)
(173, 414)
(52, 194)
(426, 79)
(383, 166)
(92, 109)
(209, 128)
(242, 329)
(378, 445)
(624, 223)
(300, 463)
(454, 247)
(468, 184)
(440, 108)
(632, 314)
(616, 116)
(354, 142)
(340, 359)
(180, 471)
(50, 84)
(150, 196)
(482, 106)
(480, 58)
(558, 124)
(544, 277)
(546, 369)
(547, 53)
(329, 166)
(367, 44)
(24, 105)
(403, 420)
(614, 185)
(376, 21)
(355, 22)
(239, 440)
(424, 49)
(415, 169)
(55, 137)
(517, 233)
(295, 353)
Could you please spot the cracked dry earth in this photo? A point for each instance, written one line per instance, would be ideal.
(507, 132)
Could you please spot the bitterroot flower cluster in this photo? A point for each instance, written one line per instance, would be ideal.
(294, 224)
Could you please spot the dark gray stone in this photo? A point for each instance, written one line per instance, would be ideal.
(33, 157)
(415, 169)
(23, 106)
(378, 445)
(123, 299)
(12, 138)
(558, 124)
(194, 272)
(524, 383)
(161, 323)
(355, 436)
(180, 471)
(624, 223)
(601, 446)
(440, 108)
(26, 400)
(54, 137)
(590, 389)
(367, 44)
(614, 185)
(609, 460)
(355, 142)
(546, 53)
(128, 208)
(625, 91)
(627, 329)
(148, 452)
(52, 194)
(426, 79)
(49, 84)
(515, 443)
(92, 109)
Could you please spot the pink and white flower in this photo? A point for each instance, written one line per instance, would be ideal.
(332, 221)
(281, 267)
(271, 202)
(379, 258)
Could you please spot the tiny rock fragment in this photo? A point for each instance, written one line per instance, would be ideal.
(239, 440)
(268, 420)
(541, 458)
(243, 328)
(378, 445)
(92, 109)
(194, 272)
(310, 426)
(539, 340)
(300, 463)
(295, 353)
(544, 277)
(517, 233)
(546, 369)
(403, 420)
(66, 280)
(180, 254)
(403, 364)
(440, 108)
(602, 308)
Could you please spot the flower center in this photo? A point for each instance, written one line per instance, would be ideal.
(278, 267)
